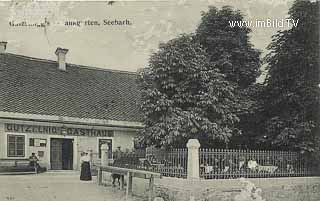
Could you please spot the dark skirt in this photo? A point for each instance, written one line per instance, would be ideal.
(85, 172)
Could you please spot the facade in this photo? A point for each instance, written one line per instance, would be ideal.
(58, 110)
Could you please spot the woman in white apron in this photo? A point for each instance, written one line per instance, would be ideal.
(85, 174)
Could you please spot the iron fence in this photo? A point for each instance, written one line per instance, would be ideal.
(228, 163)
(171, 163)
(131, 160)
(214, 163)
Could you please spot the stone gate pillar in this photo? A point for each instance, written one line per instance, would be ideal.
(193, 171)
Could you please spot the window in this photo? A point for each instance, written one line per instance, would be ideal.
(43, 142)
(16, 145)
(36, 142)
(109, 142)
(31, 142)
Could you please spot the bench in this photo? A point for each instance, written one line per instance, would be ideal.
(16, 166)
(130, 173)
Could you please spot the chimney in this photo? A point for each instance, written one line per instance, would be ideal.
(61, 54)
(3, 47)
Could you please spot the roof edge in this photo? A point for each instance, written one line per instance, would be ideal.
(102, 122)
(74, 65)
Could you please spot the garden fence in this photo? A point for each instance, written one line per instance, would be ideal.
(229, 163)
(171, 163)
(214, 163)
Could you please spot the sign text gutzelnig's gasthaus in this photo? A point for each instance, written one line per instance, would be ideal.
(55, 130)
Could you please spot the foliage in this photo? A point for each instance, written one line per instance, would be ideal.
(251, 117)
(185, 97)
(291, 106)
(228, 47)
(163, 194)
(202, 89)
(231, 52)
(249, 193)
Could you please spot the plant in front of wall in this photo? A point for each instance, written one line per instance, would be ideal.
(249, 193)
(164, 194)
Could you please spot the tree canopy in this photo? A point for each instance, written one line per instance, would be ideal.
(291, 106)
(228, 47)
(203, 85)
(185, 97)
(198, 85)
(230, 50)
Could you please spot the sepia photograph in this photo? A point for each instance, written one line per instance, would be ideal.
(159, 100)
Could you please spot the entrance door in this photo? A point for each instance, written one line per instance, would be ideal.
(67, 154)
(61, 154)
(56, 154)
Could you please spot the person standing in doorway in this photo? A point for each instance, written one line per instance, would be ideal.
(85, 174)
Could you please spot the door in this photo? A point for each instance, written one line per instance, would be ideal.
(56, 154)
(109, 143)
(67, 154)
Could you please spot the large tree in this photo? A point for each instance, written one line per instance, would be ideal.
(292, 92)
(229, 47)
(230, 50)
(184, 96)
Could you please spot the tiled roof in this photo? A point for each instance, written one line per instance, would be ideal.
(35, 86)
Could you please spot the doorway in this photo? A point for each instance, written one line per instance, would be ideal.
(61, 154)
(109, 143)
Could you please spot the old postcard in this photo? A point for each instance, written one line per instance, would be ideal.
(159, 100)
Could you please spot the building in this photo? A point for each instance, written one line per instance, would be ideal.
(58, 110)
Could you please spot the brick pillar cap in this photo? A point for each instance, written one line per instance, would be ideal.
(193, 143)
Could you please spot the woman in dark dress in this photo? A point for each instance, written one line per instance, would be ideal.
(85, 174)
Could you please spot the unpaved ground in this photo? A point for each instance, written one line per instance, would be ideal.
(55, 186)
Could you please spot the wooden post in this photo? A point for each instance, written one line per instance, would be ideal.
(35, 168)
(99, 176)
(151, 185)
(121, 182)
(129, 185)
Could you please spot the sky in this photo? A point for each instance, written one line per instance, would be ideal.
(119, 47)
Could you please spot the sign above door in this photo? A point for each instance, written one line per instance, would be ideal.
(55, 130)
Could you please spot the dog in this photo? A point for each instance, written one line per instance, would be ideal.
(114, 177)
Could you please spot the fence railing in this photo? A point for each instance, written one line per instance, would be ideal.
(213, 163)
(131, 160)
(172, 163)
(226, 163)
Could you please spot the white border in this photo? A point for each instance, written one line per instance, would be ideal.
(87, 0)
